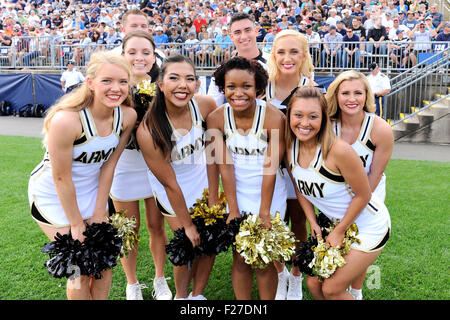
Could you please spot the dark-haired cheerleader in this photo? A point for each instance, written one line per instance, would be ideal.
(248, 150)
(172, 139)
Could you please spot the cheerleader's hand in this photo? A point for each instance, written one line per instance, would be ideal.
(232, 216)
(316, 231)
(335, 238)
(99, 217)
(192, 234)
(77, 231)
(265, 218)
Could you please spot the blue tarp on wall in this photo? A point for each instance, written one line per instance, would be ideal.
(18, 88)
(47, 88)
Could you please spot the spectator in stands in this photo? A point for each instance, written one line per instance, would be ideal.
(222, 47)
(5, 41)
(160, 38)
(422, 41)
(410, 22)
(176, 39)
(268, 39)
(402, 7)
(347, 19)
(331, 53)
(400, 49)
(113, 38)
(397, 26)
(45, 21)
(191, 45)
(386, 20)
(377, 36)
(370, 16)
(333, 17)
(401, 16)
(284, 23)
(429, 25)
(442, 38)
(261, 32)
(104, 17)
(71, 78)
(82, 50)
(340, 28)
(198, 23)
(314, 44)
(380, 85)
(204, 54)
(438, 18)
(351, 51)
(57, 20)
(392, 9)
(5, 48)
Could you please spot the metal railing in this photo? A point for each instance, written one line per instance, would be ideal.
(418, 88)
(42, 53)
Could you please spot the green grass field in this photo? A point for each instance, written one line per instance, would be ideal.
(413, 265)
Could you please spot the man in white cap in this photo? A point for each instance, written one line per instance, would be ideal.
(71, 78)
(380, 85)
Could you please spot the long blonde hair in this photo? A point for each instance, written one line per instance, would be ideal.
(333, 107)
(326, 136)
(82, 97)
(307, 66)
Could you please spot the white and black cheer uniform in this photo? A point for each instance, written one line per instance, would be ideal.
(130, 182)
(188, 160)
(365, 149)
(90, 151)
(248, 153)
(329, 193)
(282, 105)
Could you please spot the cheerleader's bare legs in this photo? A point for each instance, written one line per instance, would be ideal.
(82, 287)
(335, 287)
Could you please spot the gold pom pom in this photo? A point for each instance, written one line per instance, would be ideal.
(210, 215)
(147, 87)
(260, 246)
(326, 258)
(126, 230)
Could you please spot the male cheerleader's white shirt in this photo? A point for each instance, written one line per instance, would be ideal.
(330, 193)
(188, 160)
(365, 149)
(90, 152)
(248, 153)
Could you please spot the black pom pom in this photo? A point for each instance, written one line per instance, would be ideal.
(98, 252)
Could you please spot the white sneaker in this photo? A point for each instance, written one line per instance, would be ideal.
(283, 277)
(295, 288)
(357, 294)
(161, 290)
(134, 291)
(198, 297)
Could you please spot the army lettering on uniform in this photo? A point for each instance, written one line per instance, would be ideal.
(364, 159)
(189, 149)
(313, 189)
(95, 157)
(248, 152)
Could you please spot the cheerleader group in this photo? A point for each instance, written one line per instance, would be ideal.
(279, 145)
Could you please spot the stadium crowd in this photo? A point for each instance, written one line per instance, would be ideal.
(34, 26)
